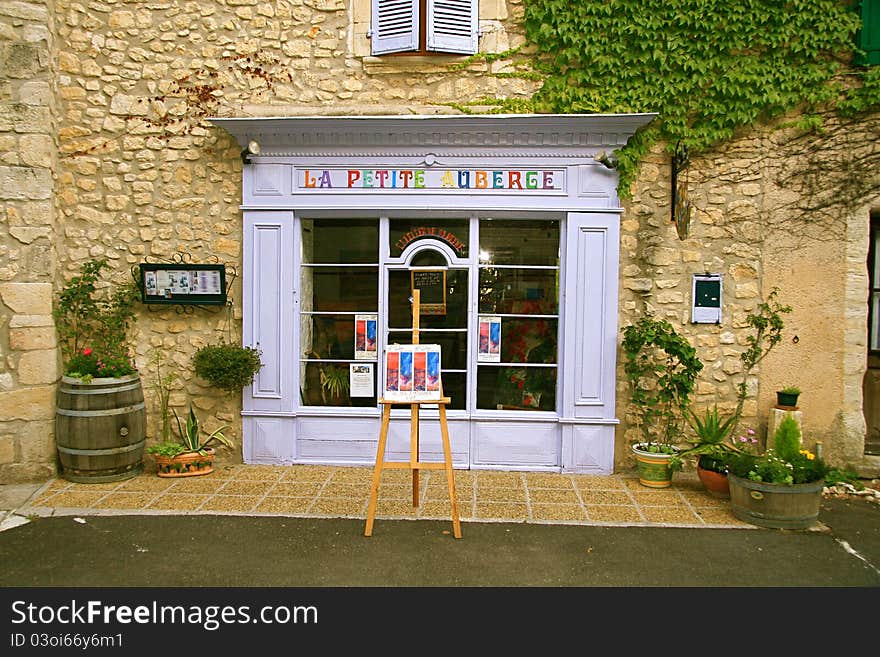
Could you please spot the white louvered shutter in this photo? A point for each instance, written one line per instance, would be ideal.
(453, 26)
(395, 26)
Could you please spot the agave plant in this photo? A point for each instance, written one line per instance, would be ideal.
(712, 431)
(190, 434)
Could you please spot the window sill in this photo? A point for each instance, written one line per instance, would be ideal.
(390, 64)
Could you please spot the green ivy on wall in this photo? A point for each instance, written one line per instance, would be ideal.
(707, 67)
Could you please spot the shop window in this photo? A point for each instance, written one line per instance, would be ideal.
(868, 36)
(424, 26)
(339, 279)
(519, 283)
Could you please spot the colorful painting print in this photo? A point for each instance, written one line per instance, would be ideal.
(412, 372)
(494, 337)
(392, 371)
(484, 337)
(420, 366)
(360, 335)
(433, 371)
(489, 350)
(371, 336)
(406, 370)
(365, 337)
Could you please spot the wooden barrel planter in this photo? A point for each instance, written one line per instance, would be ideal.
(100, 428)
(776, 506)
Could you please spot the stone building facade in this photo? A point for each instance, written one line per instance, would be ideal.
(105, 155)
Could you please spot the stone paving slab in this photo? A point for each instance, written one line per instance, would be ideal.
(307, 491)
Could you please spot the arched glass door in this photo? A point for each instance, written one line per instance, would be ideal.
(443, 319)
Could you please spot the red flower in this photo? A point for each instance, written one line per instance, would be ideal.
(87, 352)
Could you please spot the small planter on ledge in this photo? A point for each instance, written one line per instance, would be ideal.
(787, 398)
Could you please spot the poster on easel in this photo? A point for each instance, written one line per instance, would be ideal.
(489, 350)
(365, 337)
(412, 372)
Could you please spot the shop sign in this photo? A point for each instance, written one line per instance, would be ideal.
(418, 180)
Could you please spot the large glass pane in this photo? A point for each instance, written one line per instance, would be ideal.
(347, 289)
(453, 232)
(519, 291)
(528, 340)
(327, 336)
(516, 388)
(328, 384)
(454, 387)
(453, 346)
(451, 284)
(519, 242)
(337, 241)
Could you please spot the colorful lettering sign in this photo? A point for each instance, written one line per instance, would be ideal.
(413, 180)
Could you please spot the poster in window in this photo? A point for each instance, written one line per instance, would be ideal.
(412, 372)
(360, 380)
(365, 337)
(489, 350)
(431, 284)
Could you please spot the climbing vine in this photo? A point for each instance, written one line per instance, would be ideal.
(707, 67)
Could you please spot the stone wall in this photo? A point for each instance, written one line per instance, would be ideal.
(756, 222)
(28, 352)
(142, 176)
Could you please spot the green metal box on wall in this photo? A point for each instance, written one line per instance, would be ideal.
(868, 37)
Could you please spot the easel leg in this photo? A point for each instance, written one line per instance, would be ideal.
(377, 472)
(450, 475)
(414, 451)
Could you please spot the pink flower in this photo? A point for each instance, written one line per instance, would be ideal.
(87, 352)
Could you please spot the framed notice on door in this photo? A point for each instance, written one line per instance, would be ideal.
(431, 284)
(412, 372)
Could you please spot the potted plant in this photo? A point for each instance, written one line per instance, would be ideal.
(661, 369)
(781, 488)
(227, 366)
(334, 385)
(711, 448)
(787, 397)
(189, 455)
(100, 418)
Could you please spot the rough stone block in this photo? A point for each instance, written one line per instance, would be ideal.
(37, 442)
(35, 403)
(39, 366)
(37, 337)
(27, 298)
(7, 449)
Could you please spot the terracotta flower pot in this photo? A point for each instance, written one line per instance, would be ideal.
(715, 482)
(188, 464)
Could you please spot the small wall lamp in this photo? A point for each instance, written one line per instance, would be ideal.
(253, 148)
(606, 159)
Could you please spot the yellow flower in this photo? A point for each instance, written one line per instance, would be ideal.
(810, 456)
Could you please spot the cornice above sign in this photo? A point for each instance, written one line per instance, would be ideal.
(490, 135)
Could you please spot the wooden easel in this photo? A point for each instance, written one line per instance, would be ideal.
(413, 464)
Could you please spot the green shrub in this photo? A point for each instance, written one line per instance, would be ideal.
(787, 439)
(227, 366)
